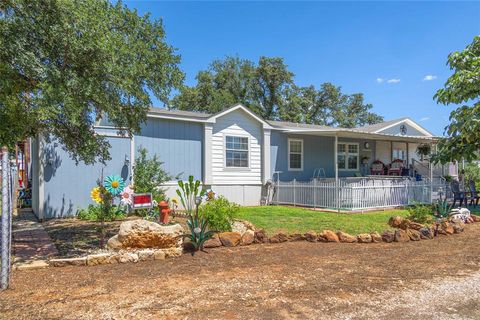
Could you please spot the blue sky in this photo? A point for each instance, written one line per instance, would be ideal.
(393, 52)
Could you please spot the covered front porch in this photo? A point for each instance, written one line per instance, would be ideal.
(349, 169)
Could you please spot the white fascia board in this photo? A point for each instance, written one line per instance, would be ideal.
(265, 124)
(173, 117)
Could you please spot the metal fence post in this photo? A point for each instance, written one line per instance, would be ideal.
(5, 241)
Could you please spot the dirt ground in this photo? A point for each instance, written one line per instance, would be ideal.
(436, 279)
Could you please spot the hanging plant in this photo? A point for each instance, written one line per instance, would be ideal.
(424, 149)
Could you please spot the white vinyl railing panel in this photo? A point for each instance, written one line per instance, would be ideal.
(356, 194)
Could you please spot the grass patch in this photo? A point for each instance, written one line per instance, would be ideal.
(293, 220)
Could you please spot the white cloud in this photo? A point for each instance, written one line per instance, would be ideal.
(393, 80)
(425, 119)
(380, 80)
(429, 77)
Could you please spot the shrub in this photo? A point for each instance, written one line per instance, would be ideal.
(219, 212)
(94, 213)
(421, 214)
(148, 176)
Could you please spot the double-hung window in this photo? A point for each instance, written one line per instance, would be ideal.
(295, 154)
(236, 152)
(347, 156)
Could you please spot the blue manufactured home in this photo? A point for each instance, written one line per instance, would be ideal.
(234, 152)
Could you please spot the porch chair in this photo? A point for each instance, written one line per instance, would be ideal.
(473, 193)
(395, 168)
(457, 194)
(378, 168)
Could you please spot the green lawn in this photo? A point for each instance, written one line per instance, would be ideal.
(292, 220)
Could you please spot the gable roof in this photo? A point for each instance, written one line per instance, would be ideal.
(244, 109)
(379, 127)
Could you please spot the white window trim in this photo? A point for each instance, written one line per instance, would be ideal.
(347, 153)
(225, 152)
(301, 154)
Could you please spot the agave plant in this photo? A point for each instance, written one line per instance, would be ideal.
(442, 208)
(199, 232)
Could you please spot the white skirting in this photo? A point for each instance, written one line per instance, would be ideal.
(245, 195)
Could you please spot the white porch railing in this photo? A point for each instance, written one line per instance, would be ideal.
(356, 194)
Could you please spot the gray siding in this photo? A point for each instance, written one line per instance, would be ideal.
(395, 130)
(67, 185)
(318, 153)
(177, 144)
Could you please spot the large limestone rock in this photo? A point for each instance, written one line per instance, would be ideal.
(261, 236)
(376, 237)
(311, 236)
(458, 225)
(413, 234)
(345, 237)
(146, 234)
(446, 228)
(279, 237)
(364, 238)
(426, 233)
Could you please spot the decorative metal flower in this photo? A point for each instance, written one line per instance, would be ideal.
(126, 197)
(114, 184)
(95, 195)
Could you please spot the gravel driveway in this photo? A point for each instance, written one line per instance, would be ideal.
(436, 279)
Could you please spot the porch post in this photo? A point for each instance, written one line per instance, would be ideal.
(335, 160)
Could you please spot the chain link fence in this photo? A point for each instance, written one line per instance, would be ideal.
(7, 174)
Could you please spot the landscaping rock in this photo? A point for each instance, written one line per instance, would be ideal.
(239, 226)
(413, 234)
(82, 261)
(414, 225)
(247, 238)
(230, 239)
(125, 257)
(475, 218)
(445, 228)
(260, 236)
(113, 243)
(159, 255)
(395, 221)
(146, 255)
(401, 236)
(376, 237)
(458, 225)
(279, 237)
(329, 236)
(100, 258)
(388, 236)
(364, 238)
(311, 236)
(146, 234)
(426, 233)
(214, 242)
(345, 237)
(296, 237)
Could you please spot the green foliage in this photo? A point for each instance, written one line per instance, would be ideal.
(199, 232)
(189, 192)
(149, 175)
(462, 88)
(472, 172)
(94, 212)
(421, 213)
(442, 208)
(220, 213)
(65, 64)
(268, 89)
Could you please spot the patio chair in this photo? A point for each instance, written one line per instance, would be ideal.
(378, 168)
(473, 193)
(395, 168)
(457, 194)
